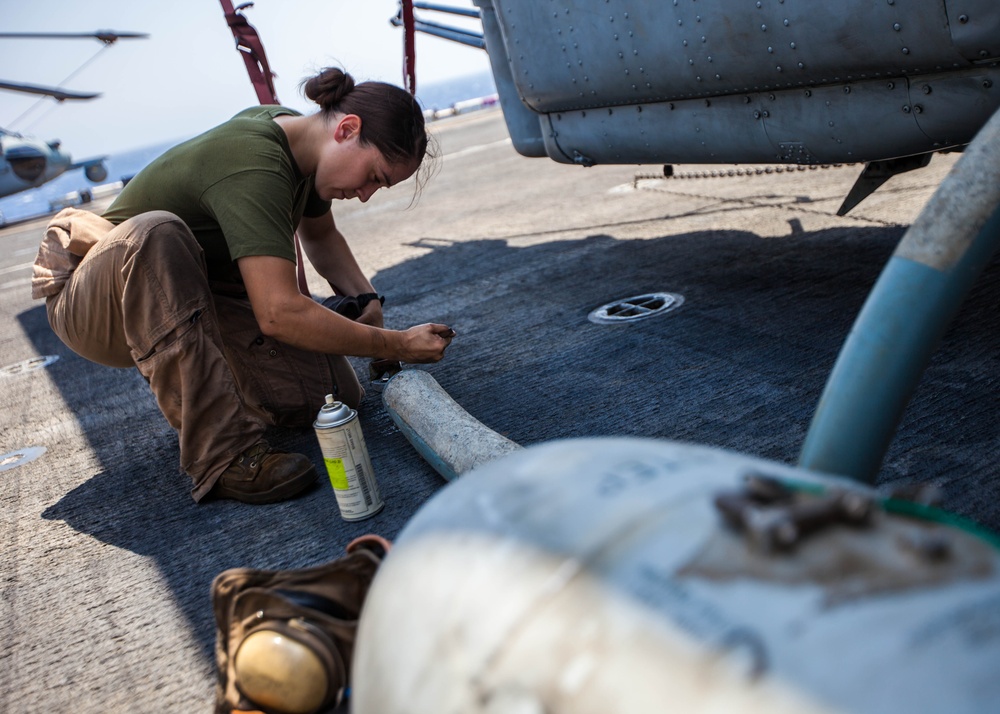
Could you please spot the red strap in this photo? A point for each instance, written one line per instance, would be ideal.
(249, 45)
(409, 48)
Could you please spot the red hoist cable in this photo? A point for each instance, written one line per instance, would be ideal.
(409, 47)
(249, 45)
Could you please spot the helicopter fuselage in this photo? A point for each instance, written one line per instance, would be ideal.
(26, 163)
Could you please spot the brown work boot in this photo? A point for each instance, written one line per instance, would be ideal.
(262, 475)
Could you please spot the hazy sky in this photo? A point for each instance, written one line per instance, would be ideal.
(187, 76)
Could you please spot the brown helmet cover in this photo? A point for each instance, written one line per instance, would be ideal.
(317, 607)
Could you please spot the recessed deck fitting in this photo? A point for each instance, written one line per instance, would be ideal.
(636, 308)
(13, 459)
(28, 365)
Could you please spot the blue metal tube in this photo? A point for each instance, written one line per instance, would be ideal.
(918, 294)
(455, 34)
(466, 12)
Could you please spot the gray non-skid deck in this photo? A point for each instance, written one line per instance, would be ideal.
(106, 560)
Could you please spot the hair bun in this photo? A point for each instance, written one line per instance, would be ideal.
(329, 87)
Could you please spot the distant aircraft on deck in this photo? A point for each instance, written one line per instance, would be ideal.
(27, 162)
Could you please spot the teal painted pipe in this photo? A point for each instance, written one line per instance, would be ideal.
(914, 300)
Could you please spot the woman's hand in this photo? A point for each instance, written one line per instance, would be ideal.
(287, 315)
(425, 343)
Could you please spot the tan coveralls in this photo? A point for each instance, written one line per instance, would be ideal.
(138, 294)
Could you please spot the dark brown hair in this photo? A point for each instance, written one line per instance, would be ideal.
(391, 119)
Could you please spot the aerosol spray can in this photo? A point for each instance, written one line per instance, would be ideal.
(347, 462)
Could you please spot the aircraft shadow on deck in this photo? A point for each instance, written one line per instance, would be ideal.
(740, 365)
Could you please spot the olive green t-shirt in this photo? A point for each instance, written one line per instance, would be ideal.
(236, 186)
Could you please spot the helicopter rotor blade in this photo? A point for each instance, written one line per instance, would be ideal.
(54, 92)
(105, 36)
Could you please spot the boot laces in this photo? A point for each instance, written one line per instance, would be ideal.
(255, 452)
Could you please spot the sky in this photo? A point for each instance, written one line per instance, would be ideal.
(187, 75)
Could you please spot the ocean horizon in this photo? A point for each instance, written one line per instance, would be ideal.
(123, 165)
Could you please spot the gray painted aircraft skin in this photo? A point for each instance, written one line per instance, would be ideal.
(718, 81)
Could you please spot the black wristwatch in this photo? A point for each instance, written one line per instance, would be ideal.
(366, 298)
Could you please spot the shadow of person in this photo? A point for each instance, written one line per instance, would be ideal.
(740, 365)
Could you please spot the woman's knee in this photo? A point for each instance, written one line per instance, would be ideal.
(166, 247)
(349, 389)
(159, 230)
(350, 393)
(150, 220)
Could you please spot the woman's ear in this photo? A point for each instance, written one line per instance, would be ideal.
(348, 127)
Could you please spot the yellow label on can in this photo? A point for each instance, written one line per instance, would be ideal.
(338, 475)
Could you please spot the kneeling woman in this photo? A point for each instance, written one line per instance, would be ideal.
(195, 281)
